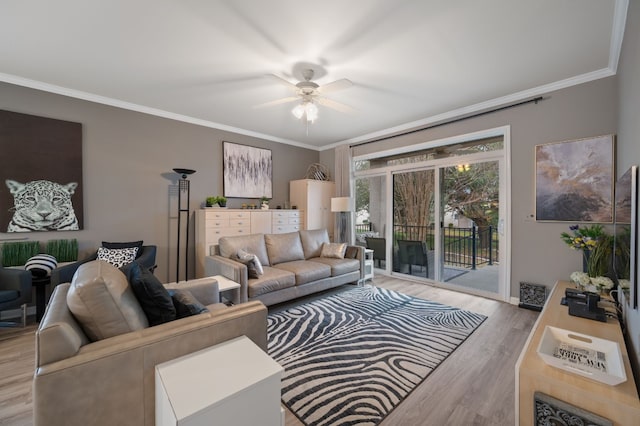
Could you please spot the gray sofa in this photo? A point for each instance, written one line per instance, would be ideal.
(293, 265)
(112, 381)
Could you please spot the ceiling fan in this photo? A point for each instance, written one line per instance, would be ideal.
(310, 93)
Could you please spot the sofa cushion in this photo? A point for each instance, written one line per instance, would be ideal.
(102, 301)
(273, 279)
(334, 250)
(153, 297)
(253, 243)
(186, 305)
(117, 257)
(284, 247)
(339, 266)
(306, 271)
(312, 242)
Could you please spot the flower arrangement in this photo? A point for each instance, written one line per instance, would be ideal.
(596, 248)
(594, 284)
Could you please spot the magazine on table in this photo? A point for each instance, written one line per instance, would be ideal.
(581, 357)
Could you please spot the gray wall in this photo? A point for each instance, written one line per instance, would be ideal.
(538, 255)
(629, 133)
(128, 159)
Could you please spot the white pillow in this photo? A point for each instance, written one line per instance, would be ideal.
(118, 257)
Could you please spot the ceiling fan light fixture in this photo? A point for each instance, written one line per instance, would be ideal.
(312, 112)
(298, 111)
(309, 110)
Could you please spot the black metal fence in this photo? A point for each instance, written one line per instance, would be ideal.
(465, 247)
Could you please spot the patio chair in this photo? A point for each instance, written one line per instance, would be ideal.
(379, 247)
(412, 253)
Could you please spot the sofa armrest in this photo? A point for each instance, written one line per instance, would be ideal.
(204, 289)
(235, 271)
(360, 257)
(119, 372)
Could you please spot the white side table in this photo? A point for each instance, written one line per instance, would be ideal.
(233, 383)
(225, 284)
(368, 264)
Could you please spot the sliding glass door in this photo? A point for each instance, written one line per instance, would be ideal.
(469, 237)
(413, 223)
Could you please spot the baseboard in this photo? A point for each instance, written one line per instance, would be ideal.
(16, 313)
(514, 301)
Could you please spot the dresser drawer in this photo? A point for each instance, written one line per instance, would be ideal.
(282, 229)
(236, 230)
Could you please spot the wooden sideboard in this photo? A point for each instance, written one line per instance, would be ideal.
(619, 404)
(214, 223)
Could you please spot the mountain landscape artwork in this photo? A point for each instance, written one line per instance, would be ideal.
(574, 180)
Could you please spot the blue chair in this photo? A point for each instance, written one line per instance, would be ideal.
(15, 292)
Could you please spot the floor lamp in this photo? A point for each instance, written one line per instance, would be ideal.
(343, 206)
(184, 191)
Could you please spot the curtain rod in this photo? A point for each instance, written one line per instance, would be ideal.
(454, 120)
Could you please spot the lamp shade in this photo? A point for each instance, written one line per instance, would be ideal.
(342, 204)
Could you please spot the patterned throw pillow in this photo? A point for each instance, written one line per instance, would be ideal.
(254, 266)
(334, 250)
(117, 257)
(41, 265)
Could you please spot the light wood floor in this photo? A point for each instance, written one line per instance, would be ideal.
(474, 386)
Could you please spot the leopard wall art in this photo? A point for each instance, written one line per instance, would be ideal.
(42, 205)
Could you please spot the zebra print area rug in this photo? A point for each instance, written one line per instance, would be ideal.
(351, 358)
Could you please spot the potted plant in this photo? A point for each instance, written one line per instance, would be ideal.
(219, 200)
(264, 203)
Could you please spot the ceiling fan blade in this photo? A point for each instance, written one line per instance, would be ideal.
(284, 82)
(341, 84)
(278, 102)
(335, 105)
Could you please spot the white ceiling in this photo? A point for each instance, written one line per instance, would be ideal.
(207, 62)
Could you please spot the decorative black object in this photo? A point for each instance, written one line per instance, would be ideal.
(551, 411)
(183, 192)
(532, 296)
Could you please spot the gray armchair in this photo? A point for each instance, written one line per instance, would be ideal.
(146, 258)
(15, 292)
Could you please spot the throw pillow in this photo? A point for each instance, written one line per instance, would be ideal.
(118, 245)
(351, 252)
(334, 250)
(245, 255)
(102, 301)
(186, 305)
(252, 272)
(41, 265)
(153, 297)
(117, 257)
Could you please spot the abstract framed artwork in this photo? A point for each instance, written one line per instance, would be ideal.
(575, 179)
(40, 174)
(247, 171)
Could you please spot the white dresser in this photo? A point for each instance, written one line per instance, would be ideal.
(283, 221)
